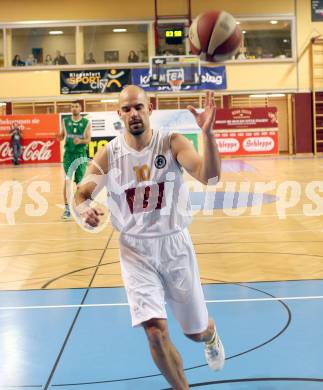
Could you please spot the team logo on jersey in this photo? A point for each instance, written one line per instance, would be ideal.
(160, 161)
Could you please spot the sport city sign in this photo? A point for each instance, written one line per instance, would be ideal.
(211, 78)
(94, 81)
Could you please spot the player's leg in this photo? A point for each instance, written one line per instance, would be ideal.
(67, 161)
(185, 296)
(164, 354)
(81, 169)
(145, 294)
(214, 350)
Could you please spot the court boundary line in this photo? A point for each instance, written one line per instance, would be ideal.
(121, 286)
(76, 316)
(120, 304)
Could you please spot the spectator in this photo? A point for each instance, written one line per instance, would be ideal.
(48, 60)
(16, 135)
(17, 61)
(59, 59)
(31, 60)
(241, 55)
(259, 52)
(90, 59)
(133, 57)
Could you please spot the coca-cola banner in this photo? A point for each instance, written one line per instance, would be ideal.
(32, 126)
(247, 131)
(34, 151)
(39, 142)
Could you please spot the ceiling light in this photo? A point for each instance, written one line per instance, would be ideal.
(237, 22)
(56, 32)
(119, 30)
(244, 32)
(274, 22)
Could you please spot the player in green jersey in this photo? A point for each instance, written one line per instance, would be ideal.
(77, 133)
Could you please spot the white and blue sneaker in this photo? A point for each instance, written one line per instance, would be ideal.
(214, 353)
(67, 214)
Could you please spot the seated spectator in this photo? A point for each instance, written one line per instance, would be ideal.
(133, 57)
(48, 60)
(59, 59)
(17, 61)
(241, 55)
(31, 60)
(90, 59)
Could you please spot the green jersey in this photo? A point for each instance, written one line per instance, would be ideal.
(75, 129)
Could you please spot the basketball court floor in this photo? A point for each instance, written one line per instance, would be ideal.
(64, 319)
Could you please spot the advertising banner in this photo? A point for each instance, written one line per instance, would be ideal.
(32, 126)
(34, 151)
(94, 81)
(247, 131)
(317, 10)
(96, 144)
(211, 78)
(244, 143)
(38, 141)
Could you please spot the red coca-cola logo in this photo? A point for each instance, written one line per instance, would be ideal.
(34, 151)
(38, 151)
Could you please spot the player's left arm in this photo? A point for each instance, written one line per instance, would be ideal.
(206, 167)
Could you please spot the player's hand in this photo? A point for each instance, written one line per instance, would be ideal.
(77, 141)
(206, 118)
(92, 216)
(60, 136)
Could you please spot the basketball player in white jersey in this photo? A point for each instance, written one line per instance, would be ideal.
(150, 207)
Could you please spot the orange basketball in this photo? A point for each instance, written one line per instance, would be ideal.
(215, 36)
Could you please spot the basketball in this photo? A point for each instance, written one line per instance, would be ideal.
(215, 36)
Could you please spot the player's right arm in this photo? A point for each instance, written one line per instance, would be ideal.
(61, 135)
(95, 173)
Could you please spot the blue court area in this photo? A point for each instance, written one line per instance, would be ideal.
(82, 339)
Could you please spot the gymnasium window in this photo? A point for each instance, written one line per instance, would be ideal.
(171, 39)
(123, 43)
(269, 39)
(1, 49)
(44, 46)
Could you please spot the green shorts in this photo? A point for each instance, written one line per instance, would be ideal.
(79, 168)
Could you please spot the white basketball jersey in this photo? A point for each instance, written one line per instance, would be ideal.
(146, 192)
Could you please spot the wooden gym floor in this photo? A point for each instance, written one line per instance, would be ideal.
(43, 251)
(64, 320)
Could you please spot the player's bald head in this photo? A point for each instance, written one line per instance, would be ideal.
(135, 110)
(132, 92)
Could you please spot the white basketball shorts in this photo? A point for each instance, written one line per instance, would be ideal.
(156, 270)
